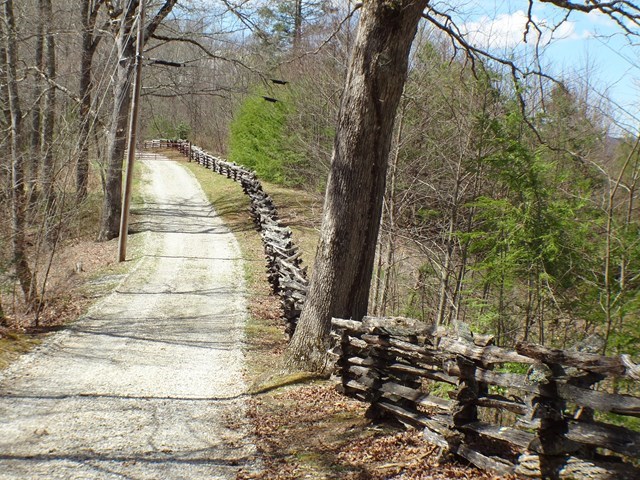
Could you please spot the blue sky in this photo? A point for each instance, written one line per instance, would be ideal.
(590, 46)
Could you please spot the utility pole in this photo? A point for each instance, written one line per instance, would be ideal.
(133, 128)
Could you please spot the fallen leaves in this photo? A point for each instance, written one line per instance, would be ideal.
(312, 431)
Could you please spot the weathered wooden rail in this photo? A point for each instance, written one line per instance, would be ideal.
(553, 426)
(287, 277)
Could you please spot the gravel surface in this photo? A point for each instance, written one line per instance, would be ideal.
(149, 384)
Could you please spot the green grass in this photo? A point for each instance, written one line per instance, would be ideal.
(13, 344)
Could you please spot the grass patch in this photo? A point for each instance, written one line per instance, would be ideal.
(14, 344)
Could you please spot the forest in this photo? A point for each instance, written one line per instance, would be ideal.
(511, 207)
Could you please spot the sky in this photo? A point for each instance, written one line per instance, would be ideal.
(590, 45)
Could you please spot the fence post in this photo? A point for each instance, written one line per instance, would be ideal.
(355, 362)
(548, 451)
(378, 362)
(465, 410)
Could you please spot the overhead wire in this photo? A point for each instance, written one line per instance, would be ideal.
(102, 88)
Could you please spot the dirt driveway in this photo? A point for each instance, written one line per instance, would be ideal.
(149, 384)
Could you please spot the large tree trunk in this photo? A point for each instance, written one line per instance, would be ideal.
(356, 185)
(117, 144)
(89, 14)
(111, 205)
(17, 167)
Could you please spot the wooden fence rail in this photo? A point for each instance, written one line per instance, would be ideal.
(533, 411)
(286, 275)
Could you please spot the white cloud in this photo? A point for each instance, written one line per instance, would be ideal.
(507, 30)
(600, 19)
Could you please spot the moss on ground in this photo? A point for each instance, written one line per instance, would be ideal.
(14, 344)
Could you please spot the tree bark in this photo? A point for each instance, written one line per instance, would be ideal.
(36, 113)
(89, 14)
(297, 25)
(5, 124)
(111, 205)
(353, 203)
(48, 118)
(21, 265)
(117, 142)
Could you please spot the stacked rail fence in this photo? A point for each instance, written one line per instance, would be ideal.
(286, 275)
(532, 411)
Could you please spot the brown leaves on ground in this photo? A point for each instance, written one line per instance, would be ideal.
(267, 308)
(312, 431)
(64, 299)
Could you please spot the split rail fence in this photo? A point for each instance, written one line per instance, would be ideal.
(544, 422)
(287, 277)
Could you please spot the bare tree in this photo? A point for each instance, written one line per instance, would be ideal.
(49, 110)
(5, 120)
(17, 145)
(91, 36)
(36, 109)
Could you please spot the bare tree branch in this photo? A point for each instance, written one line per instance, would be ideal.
(158, 18)
(331, 36)
(77, 100)
(208, 53)
(619, 11)
(445, 23)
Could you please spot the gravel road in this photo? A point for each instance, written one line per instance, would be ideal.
(149, 384)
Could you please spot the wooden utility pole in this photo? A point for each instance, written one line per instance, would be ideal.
(131, 148)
